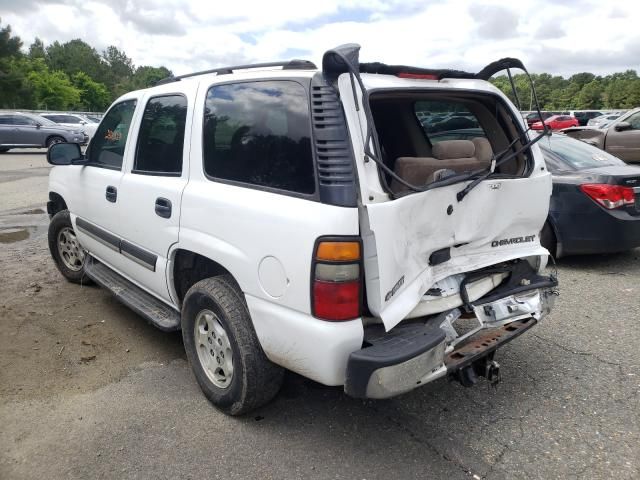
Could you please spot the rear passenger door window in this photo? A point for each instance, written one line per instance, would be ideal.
(108, 144)
(259, 134)
(161, 138)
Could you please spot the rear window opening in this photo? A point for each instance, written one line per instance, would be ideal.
(425, 137)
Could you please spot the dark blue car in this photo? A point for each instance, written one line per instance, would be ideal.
(595, 205)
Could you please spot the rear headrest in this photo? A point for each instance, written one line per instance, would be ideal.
(484, 152)
(450, 149)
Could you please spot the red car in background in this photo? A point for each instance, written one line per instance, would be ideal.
(557, 122)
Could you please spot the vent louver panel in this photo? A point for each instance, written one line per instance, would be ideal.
(332, 148)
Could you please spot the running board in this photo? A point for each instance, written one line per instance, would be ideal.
(153, 310)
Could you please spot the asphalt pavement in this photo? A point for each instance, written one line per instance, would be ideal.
(567, 405)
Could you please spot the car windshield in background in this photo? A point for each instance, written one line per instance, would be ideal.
(440, 123)
(577, 154)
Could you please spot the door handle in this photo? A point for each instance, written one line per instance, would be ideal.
(111, 194)
(163, 207)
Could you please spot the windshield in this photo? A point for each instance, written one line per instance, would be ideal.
(577, 154)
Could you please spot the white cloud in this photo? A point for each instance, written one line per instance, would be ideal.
(560, 38)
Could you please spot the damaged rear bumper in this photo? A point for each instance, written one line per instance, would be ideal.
(412, 355)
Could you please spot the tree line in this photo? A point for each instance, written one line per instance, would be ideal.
(67, 76)
(75, 76)
(582, 91)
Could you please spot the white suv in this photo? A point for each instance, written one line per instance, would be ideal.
(286, 217)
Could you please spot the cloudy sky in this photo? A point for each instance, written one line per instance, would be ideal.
(555, 36)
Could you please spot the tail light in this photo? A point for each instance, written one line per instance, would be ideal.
(609, 196)
(336, 292)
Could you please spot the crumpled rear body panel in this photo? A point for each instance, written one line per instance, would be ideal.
(402, 234)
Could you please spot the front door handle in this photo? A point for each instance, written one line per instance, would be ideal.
(112, 194)
(163, 207)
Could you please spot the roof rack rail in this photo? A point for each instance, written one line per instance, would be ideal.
(288, 65)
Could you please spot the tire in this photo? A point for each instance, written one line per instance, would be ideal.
(4, 149)
(67, 253)
(222, 347)
(53, 140)
(548, 238)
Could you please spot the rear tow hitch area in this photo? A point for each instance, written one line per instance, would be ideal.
(473, 358)
(485, 367)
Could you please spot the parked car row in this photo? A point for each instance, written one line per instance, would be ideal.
(620, 137)
(30, 130)
(20, 130)
(85, 123)
(591, 118)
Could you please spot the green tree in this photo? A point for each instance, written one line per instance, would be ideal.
(94, 96)
(147, 76)
(52, 90)
(10, 45)
(13, 67)
(120, 69)
(590, 96)
(76, 56)
(36, 49)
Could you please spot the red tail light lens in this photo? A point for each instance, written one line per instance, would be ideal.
(336, 300)
(419, 76)
(609, 196)
(337, 280)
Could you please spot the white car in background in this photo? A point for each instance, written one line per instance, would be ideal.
(604, 120)
(84, 123)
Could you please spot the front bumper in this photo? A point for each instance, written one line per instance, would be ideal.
(421, 351)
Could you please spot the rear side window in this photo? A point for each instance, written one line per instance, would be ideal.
(259, 133)
(70, 119)
(18, 120)
(447, 121)
(109, 141)
(161, 137)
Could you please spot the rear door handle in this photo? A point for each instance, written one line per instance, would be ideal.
(163, 207)
(112, 194)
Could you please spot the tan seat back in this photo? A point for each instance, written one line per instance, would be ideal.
(456, 155)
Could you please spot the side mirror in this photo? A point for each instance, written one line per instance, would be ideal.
(38, 125)
(65, 154)
(622, 126)
(82, 122)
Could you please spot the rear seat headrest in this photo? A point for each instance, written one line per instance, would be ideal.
(484, 152)
(450, 149)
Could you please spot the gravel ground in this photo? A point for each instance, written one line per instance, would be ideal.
(89, 390)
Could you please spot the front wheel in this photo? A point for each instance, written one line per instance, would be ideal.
(67, 253)
(225, 354)
(54, 140)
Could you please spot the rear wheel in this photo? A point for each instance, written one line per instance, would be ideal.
(53, 140)
(548, 238)
(225, 354)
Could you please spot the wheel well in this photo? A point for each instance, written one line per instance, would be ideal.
(55, 135)
(56, 204)
(557, 250)
(189, 268)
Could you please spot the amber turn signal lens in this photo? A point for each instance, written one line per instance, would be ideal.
(338, 251)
